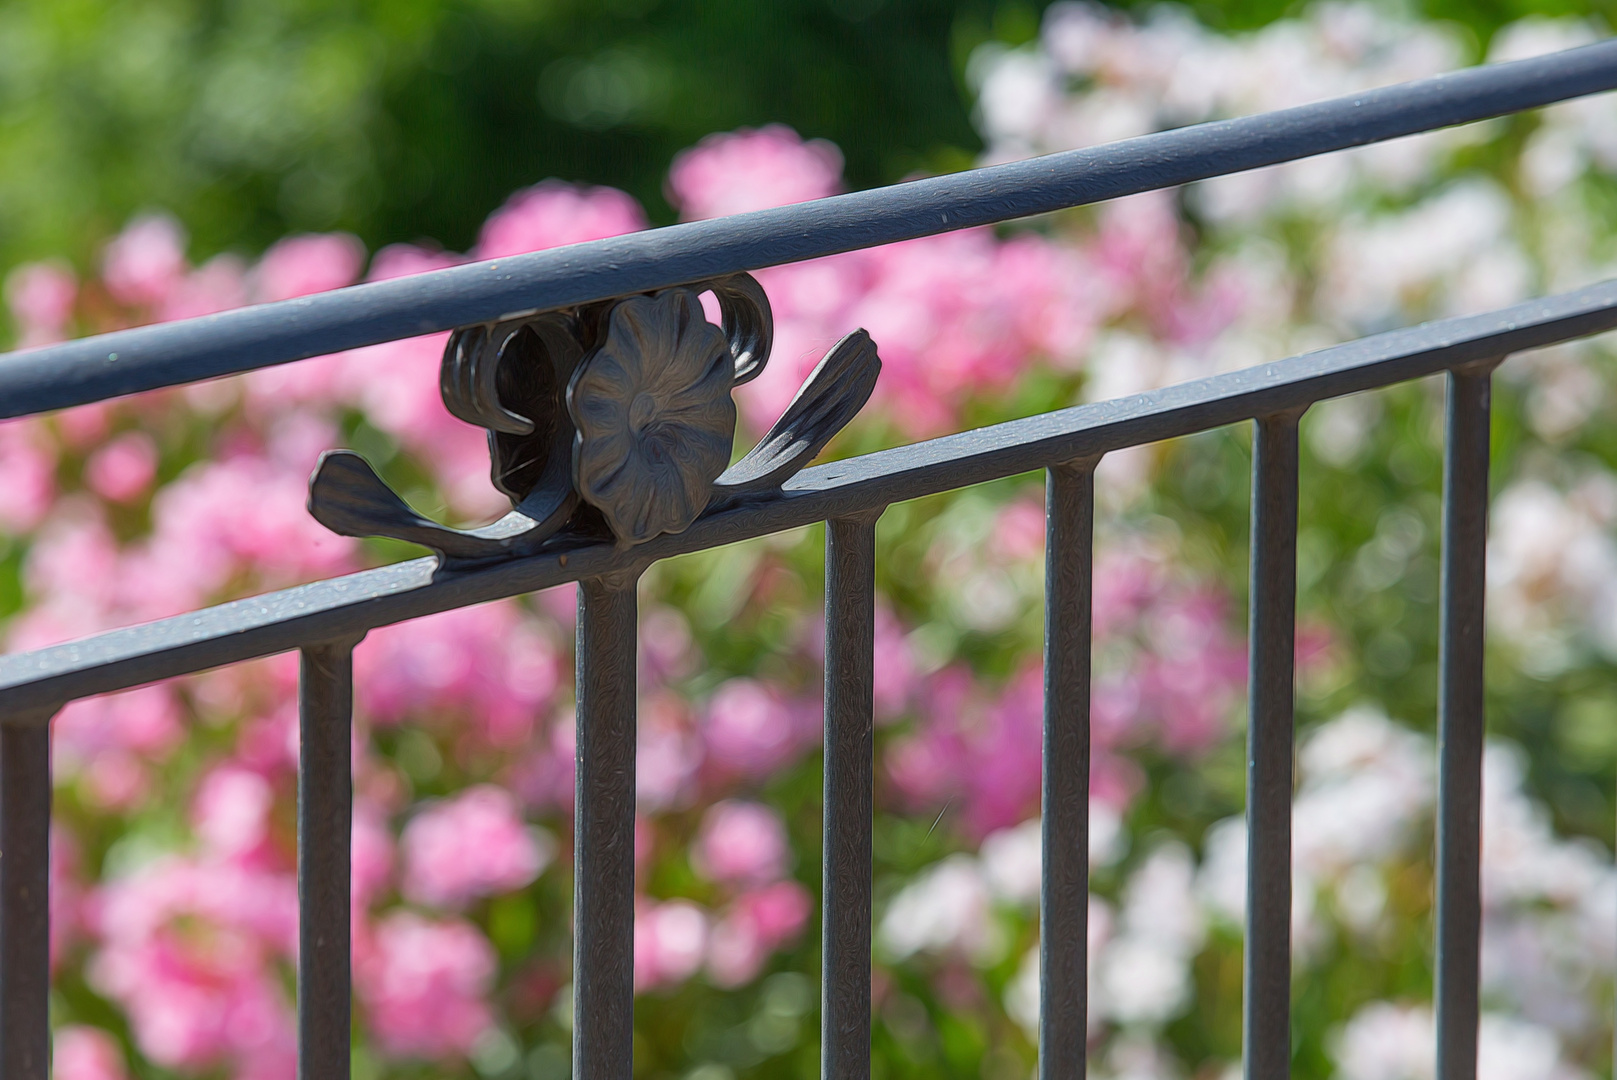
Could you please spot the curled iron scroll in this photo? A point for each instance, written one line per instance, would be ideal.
(611, 419)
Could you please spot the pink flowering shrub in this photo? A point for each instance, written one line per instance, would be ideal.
(423, 985)
(740, 842)
(174, 866)
(190, 950)
(752, 170)
(552, 215)
(41, 298)
(472, 845)
(85, 1053)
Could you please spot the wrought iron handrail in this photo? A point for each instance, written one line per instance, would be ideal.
(494, 304)
(167, 354)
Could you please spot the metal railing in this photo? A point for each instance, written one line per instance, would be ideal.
(326, 619)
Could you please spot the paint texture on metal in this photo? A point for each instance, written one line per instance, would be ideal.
(850, 673)
(25, 927)
(1266, 1014)
(603, 831)
(325, 829)
(1460, 722)
(1064, 893)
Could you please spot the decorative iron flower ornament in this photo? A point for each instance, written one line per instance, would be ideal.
(655, 419)
(613, 416)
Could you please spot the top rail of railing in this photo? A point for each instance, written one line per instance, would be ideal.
(169, 354)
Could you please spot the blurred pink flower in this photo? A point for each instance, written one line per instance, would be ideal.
(116, 781)
(749, 729)
(896, 678)
(65, 891)
(402, 260)
(423, 984)
(41, 297)
(756, 924)
(986, 755)
(317, 383)
(372, 854)
(668, 753)
(666, 646)
(553, 214)
(86, 1053)
(217, 285)
(122, 470)
(491, 663)
(741, 843)
(474, 844)
(669, 941)
(220, 519)
(230, 811)
(142, 264)
(1019, 531)
(752, 169)
(544, 778)
(28, 463)
(86, 426)
(190, 952)
(311, 263)
(268, 739)
(146, 721)
(1001, 774)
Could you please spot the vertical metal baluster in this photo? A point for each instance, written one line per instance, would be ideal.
(325, 829)
(1266, 1020)
(850, 671)
(603, 831)
(25, 916)
(1460, 722)
(1064, 892)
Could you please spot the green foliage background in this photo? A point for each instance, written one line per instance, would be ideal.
(408, 119)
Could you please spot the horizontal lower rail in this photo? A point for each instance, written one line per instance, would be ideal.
(149, 357)
(349, 606)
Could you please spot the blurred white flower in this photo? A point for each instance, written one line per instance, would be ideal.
(945, 909)
(1143, 974)
(1552, 568)
(1387, 1042)
(1013, 859)
(1384, 1041)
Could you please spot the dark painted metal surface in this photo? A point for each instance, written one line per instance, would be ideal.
(603, 831)
(850, 672)
(355, 603)
(614, 420)
(1266, 1042)
(25, 928)
(325, 830)
(149, 357)
(1460, 722)
(1064, 894)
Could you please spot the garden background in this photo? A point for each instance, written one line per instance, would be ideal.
(162, 160)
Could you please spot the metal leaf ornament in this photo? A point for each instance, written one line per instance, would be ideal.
(612, 419)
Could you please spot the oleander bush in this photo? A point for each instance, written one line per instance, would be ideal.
(174, 892)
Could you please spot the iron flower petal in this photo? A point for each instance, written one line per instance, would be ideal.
(655, 420)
